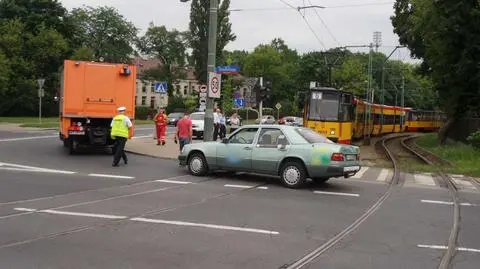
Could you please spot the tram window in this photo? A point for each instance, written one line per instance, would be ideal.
(324, 106)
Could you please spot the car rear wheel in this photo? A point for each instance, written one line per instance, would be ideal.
(197, 165)
(293, 174)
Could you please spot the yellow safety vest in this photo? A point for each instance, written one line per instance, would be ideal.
(119, 128)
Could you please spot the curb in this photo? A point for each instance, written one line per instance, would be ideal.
(151, 156)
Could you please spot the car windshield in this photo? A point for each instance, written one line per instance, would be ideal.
(175, 115)
(197, 116)
(312, 136)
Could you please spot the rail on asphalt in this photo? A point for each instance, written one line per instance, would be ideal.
(316, 253)
(434, 160)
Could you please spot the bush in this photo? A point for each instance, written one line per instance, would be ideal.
(474, 140)
(143, 112)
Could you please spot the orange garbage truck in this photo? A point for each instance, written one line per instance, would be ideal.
(90, 93)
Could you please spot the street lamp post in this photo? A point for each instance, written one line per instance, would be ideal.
(212, 49)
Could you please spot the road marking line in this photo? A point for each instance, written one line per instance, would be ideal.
(110, 176)
(262, 188)
(445, 203)
(18, 167)
(212, 226)
(361, 172)
(238, 186)
(27, 138)
(383, 175)
(173, 181)
(424, 179)
(69, 213)
(337, 193)
(25, 209)
(445, 247)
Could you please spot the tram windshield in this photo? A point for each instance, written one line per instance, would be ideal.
(324, 106)
(330, 106)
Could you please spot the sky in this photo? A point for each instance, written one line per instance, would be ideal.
(340, 23)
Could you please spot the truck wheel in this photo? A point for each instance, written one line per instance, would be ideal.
(72, 146)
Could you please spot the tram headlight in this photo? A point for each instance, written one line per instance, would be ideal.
(332, 132)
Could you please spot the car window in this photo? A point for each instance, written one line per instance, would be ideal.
(244, 136)
(199, 116)
(175, 115)
(271, 137)
(312, 136)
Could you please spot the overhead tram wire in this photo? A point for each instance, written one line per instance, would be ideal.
(306, 21)
(291, 6)
(325, 25)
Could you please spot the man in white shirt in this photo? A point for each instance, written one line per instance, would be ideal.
(216, 124)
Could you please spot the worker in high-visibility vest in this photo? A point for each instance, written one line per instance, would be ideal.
(121, 126)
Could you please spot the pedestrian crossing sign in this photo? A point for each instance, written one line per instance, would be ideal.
(161, 87)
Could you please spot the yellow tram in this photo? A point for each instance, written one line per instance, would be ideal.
(340, 117)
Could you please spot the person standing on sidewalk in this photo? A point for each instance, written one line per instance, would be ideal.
(216, 124)
(234, 122)
(161, 121)
(184, 132)
(121, 126)
(223, 126)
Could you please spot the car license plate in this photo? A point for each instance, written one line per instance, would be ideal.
(76, 133)
(351, 157)
(351, 169)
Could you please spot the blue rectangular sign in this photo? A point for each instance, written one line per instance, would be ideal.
(161, 87)
(238, 102)
(229, 69)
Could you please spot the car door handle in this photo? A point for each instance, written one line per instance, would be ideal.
(247, 148)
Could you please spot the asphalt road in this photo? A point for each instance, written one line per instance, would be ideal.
(61, 211)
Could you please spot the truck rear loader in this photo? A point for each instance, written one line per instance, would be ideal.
(90, 94)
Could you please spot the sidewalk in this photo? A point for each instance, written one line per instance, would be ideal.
(148, 146)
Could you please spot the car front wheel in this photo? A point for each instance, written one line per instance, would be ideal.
(197, 165)
(293, 174)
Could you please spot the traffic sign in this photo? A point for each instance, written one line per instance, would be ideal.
(278, 106)
(40, 82)
(239, 102)
(228, 70)
(161, 87)
(214, 84)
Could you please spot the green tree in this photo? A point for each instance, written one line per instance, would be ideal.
(198, 36)
(446, 35)
(167, 46)
(106, 32)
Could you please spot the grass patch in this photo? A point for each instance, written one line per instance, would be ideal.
(51, 122)
(465, 157)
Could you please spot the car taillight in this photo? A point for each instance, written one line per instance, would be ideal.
(338, 157)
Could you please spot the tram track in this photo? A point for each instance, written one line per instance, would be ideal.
(434, 160)
(307, 259)
(101, 224)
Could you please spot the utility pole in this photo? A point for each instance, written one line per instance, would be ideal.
(402, 103)
(41, 93)
(212, 50)
(377, 39)
(260, 104)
